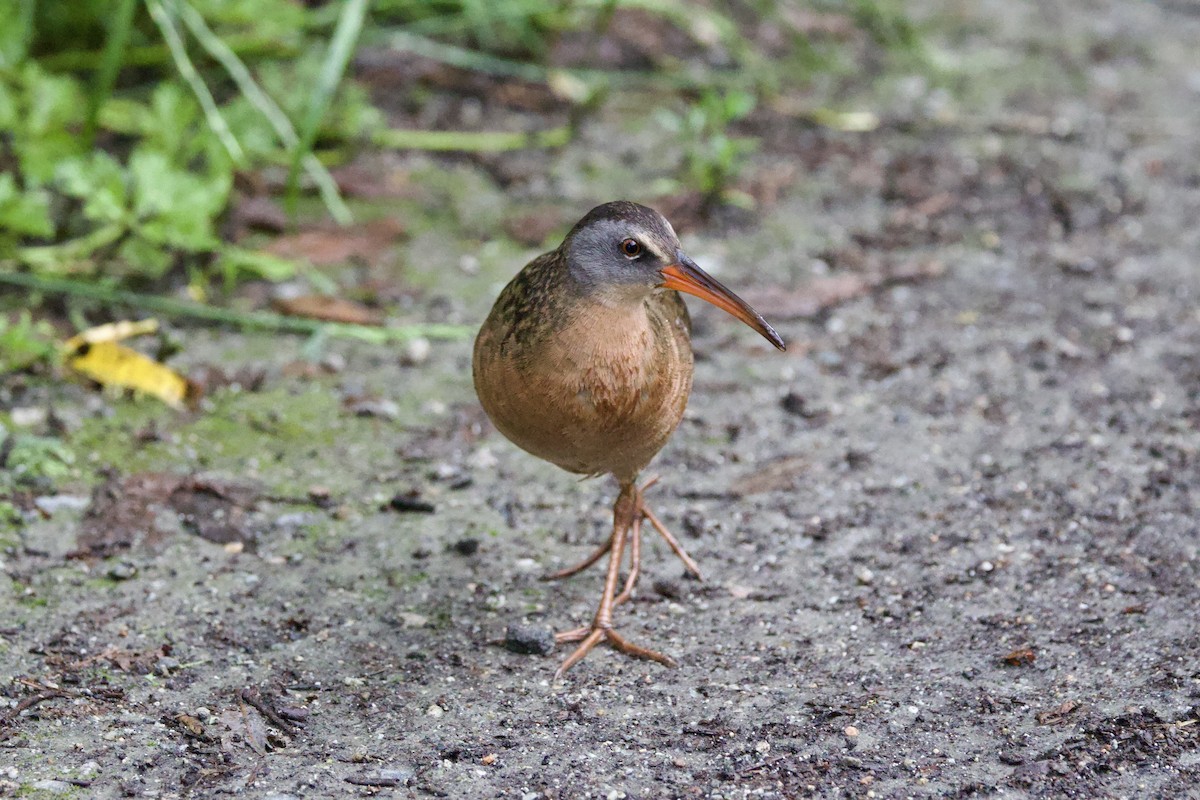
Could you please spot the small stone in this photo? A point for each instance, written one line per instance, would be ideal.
(397, 774)
(412, 620)
(165, 665)
(466, 547)
(293, 713)
(529, 639)
(122, 571)
(483, 459)
(28, 416)
(51, 504)
(489, 759)
(850, 731)
(435, 711)
(374, 407)
(865, 576)
(902, 718)
(415, 352)
(410, 502)
(53, 786)
(667, 588)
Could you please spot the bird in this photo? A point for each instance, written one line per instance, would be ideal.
(585, 361)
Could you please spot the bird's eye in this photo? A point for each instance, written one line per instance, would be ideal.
(631, 248)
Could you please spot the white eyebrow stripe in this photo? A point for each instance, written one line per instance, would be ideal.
(654, 251)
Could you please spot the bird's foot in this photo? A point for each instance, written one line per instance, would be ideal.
(628, 513)
(589, 637)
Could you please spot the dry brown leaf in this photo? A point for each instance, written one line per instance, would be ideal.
(1021, 657)
(325, 246)
(329, 309)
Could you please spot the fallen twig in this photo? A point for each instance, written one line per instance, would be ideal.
(253, 698)
(10, 716)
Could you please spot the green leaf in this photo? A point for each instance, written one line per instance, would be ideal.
(25, 213)
(143, 257)
(24, 343)
(46, 131)
(99, 181)
(175, 207)
(9, 106)
(15, 33)
(174, 123)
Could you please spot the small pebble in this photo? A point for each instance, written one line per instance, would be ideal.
(372, 407)
(410, 502)
(412, 620)
(397, 774)
(53, 786)
(466, 547)
(28, 416)
(668, 588)
(416, 352)
(293, 713)
(51, 504)
(850, 731)
(122, 571)
(166, 665)
(529, 639)
(435, 711)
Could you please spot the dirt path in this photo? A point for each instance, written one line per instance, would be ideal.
(950, 539)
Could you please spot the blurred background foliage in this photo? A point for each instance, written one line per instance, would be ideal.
(128, 126)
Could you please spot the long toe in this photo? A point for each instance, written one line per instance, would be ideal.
(592, 637)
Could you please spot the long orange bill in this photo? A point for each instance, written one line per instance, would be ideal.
(686, 276)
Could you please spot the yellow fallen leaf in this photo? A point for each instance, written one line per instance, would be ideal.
(96, 354)
(111, 332)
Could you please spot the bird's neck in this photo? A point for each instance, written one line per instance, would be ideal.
(618, 299)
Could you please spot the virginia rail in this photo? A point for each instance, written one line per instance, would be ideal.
(586, 361)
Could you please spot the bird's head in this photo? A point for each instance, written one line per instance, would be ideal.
(623, 251)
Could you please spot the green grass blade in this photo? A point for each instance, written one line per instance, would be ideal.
(105, 292)
(111, 60)
(187, 71)
(341, 48)
(258, 98)
(24, 24)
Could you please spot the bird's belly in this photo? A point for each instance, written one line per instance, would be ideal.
(592, 410)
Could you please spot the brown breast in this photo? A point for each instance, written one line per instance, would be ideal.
(599, 393)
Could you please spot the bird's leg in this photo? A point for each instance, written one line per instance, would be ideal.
(635, 561)
(626, 516)
(635, 567)
(582, 565)
(672, 542)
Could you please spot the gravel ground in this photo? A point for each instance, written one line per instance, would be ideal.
(950, 538)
